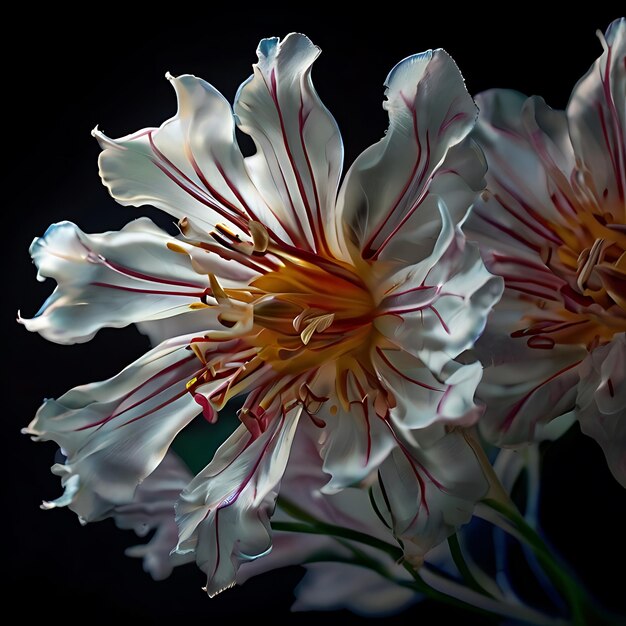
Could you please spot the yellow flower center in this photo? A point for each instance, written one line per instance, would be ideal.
(308, 314)
(592, 261)
(302, 330)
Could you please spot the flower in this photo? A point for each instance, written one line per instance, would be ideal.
(335, 577)
(553, 224)
(347, 310)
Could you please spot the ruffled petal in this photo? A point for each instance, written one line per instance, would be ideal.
(601, 402)
(299, 150)
(421, 398)
(115, 433)
(438, 308)
(152, 509)
(530, 160)
(597, 117)
(189, 167)
(427, 491)
(386, 202)
(113, 279)
(224, 512)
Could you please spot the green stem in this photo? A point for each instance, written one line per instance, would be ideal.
(583, 610)
(459, 560)
(493, 608)
(320, 528)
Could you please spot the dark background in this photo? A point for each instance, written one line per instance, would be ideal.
(59, 81)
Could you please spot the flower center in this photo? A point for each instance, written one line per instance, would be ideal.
(300, 329)
(310, 312)
(590, 261)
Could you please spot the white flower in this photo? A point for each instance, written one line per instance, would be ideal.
(553, 224)
(344, 310)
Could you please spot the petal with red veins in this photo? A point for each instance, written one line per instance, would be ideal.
(427, 491)
(353, 442)
(597, 120)
(524, 391)
(441, 306)
(112, 279)
(420, 398)
(115, 433)
(224, 512)
(189, 167)
(330, 585)
(601, 402)
(299, 149)
(385, 199)
(530, 159)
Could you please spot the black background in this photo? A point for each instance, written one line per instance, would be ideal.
(59, 81)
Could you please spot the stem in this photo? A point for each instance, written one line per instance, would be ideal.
(449, 592)
(531, 516)
(321, 528)
(583, 611)
(518, 612)
(459, 560)
(496, 491)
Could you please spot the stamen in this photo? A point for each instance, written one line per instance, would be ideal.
(587, 261)
(260, 237)
(317, 324)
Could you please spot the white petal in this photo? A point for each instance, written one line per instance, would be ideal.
(152, 508)
(421, 398)
(224, 512)
(385, 202)
(190, 167)
(601, 402)
(354, 442)
(426, 492)
(525, 389)
(299, 150)
(111, 279)
(530, 160)
(597, 118)
(440, 307)
(116, 432)
(167, 328)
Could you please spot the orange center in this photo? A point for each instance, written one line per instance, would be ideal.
(592, 262)
(308, 313)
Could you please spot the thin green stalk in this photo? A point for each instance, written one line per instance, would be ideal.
(466, 573)
(320, 528)
(418, 584)
(583, 610)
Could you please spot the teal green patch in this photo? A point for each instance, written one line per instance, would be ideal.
(197, 443)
